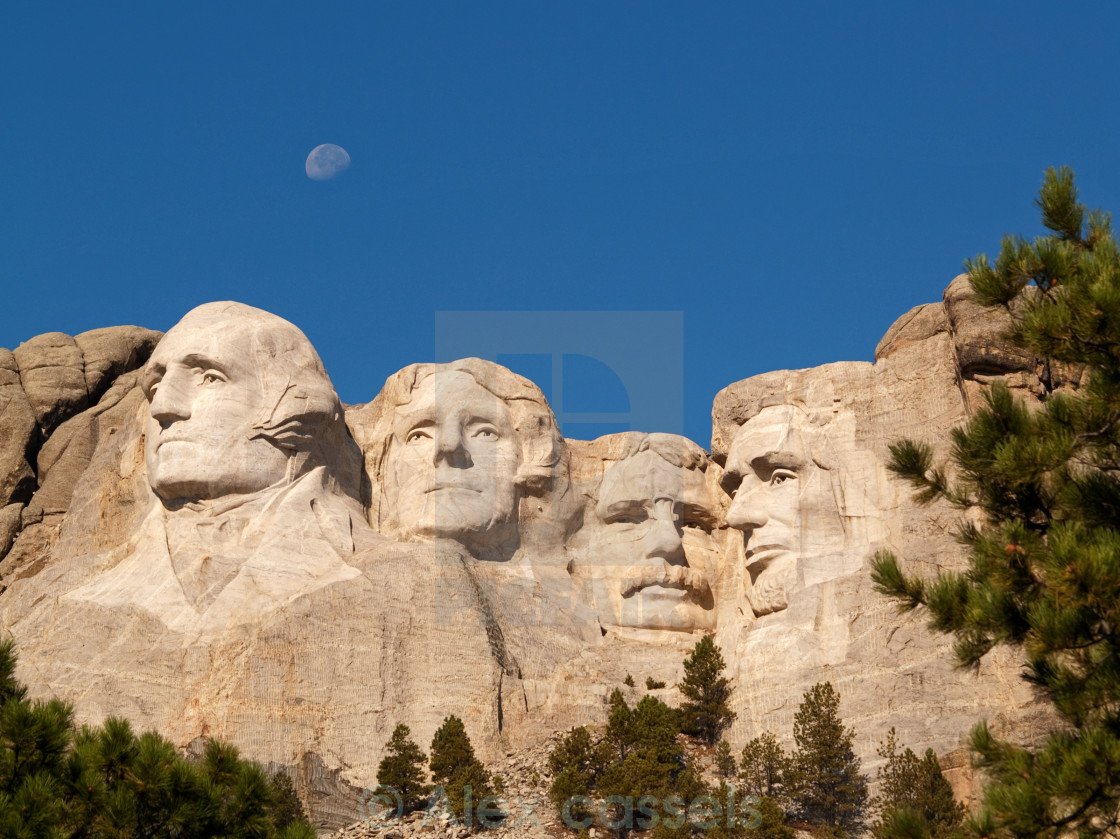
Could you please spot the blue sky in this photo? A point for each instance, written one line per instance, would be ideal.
(790, 177)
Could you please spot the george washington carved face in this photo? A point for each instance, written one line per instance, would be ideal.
(236, 396)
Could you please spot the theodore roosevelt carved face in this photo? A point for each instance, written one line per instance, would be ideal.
(238, 401)
(649, 549)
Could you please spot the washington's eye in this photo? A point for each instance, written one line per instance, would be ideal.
(486, 432)
(210, 377)
(780, 476)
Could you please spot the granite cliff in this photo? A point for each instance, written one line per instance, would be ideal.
(196, 534)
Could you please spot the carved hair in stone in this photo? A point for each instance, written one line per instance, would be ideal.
(791, 500)
(455, 449)
(648, 554)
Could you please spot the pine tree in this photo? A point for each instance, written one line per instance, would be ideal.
(1044, 561)
(763, 768)
(653, 757)
(618, 724)
(454, 766)
(286, 806)
(576, 765)
(825, 783)
(706, 711)
(773, 825)
(725, 761)
(917, 785)
(402, 770)
(451, 750)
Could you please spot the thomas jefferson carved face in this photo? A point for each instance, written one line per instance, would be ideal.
(783, 501)
(637, 566)
(453, 462)
(205, 390)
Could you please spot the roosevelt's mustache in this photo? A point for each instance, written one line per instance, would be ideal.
(667, 576)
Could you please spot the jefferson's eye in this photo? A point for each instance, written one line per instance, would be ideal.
(780, 476)
(210, 377)
(418, 434)
(486, 432)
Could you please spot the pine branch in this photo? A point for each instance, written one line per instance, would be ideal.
(1058, 201)
(889, 580)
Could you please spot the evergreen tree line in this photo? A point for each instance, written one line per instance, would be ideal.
(641, 757)
(820, 785)
(61, 781)
(638, 774)
(462, 786)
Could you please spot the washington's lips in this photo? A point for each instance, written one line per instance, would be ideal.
(678, 577)
(165, 439)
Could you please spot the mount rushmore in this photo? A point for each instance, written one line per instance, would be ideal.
(197, 535)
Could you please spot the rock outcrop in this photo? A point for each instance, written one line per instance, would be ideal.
(59, 396)
(198, 536)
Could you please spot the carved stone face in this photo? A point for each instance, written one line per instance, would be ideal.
(205, 391)
(637, 560)
(453, 464)
(784, 503)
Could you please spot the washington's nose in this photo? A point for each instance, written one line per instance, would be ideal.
(449, 446)
(747, 511)
(664, 540)
(169, 402)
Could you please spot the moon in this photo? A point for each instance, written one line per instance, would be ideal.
(326, 161)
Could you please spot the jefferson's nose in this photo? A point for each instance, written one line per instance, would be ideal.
(169, 402)
(449, 446)
(748, 509)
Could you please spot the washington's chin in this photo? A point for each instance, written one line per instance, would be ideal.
(172, 484)
(464, 530)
